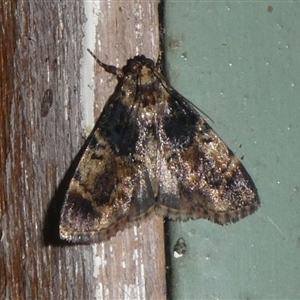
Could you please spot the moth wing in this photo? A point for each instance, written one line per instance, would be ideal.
(105, 195)
(204, 178)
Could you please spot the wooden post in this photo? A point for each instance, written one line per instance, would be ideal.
(41, 138)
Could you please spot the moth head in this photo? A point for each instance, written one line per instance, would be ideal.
(135, 65)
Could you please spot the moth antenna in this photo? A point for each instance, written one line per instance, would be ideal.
(108, 68)
(175, 94)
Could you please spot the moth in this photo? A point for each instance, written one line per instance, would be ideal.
(152, 153)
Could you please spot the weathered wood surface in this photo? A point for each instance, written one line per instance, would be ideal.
(42, 43)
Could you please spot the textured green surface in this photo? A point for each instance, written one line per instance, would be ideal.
(240, 63)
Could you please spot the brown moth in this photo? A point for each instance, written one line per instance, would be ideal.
(152, 152)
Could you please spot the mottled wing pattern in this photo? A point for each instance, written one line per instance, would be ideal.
(110, 190)
(208, 179)
(152, 152)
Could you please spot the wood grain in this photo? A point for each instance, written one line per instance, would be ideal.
(41, 49)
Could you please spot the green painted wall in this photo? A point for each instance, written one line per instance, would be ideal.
(240, 63)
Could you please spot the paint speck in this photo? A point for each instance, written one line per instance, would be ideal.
(192, 232)
(184, 55)
(180, 248)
